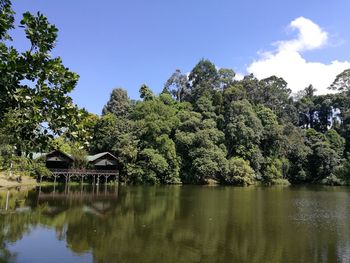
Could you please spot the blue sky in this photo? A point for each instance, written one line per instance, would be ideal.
(127, 43)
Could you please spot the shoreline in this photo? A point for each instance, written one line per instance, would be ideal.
(26, 181)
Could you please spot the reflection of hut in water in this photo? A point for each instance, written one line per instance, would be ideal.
(101, 205)
(53, 211)
(103, 161)
(58, 160)
(100, 209)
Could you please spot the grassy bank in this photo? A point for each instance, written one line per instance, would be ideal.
(7, 181)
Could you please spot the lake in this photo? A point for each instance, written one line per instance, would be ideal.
(175, 224)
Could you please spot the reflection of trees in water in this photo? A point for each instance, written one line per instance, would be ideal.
(13, 225)
(186, 224)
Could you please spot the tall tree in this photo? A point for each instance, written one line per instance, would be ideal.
(275, 95)
(203, 78)
(243, 132)
(341, 102)
(118, 104)
(297, 153)
(178, 85)
(6, 19)
(155, 124)
(146, 93)
(323, 160)
(272, 140)
(306, 107)
(201, 147)
(34, 101)
(342, 82)
(226, 78)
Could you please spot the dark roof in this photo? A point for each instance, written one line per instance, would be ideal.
(92, 158)
(65, 154)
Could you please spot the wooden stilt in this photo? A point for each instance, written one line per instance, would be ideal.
(117, 190)
(106, 179)
(7, 200)
(70, 173)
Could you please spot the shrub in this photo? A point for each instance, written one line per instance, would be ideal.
(23, 166)
(275, 170)
(239, 172)
(333, 180)
(343, 172)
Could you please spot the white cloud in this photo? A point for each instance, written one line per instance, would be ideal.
(239, 76)
(287, 60)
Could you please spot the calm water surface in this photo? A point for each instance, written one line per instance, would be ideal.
(175, 224)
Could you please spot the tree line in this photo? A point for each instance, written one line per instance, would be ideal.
(205, 126)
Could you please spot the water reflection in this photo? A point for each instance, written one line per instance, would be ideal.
(175, 224)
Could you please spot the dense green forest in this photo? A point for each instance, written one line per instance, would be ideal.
(204, 126)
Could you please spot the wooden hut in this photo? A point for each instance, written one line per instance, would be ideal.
(58, 160)
(103, 161)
